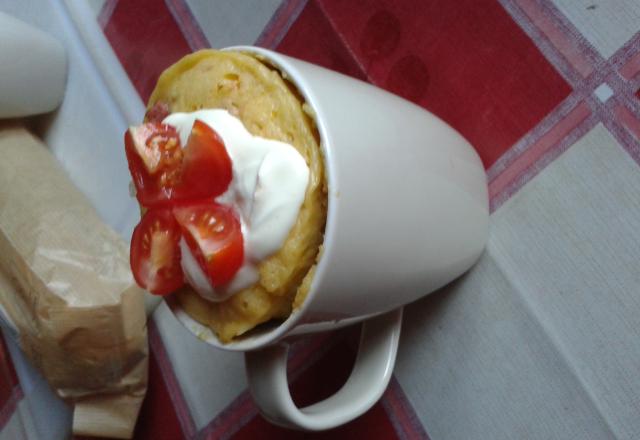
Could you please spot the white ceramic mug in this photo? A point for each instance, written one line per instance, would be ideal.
(33, 69)
(407, 213)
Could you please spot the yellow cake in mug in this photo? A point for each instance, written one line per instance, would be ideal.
(270, 107)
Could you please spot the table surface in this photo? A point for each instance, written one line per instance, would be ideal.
(541, 339)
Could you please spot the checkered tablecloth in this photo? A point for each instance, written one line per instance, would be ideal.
(541, 340)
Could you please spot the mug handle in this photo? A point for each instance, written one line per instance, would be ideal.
(267, 375)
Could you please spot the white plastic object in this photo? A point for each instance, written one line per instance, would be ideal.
(33, 69)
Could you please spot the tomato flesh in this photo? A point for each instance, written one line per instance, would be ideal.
(155, 252)
(214, 236)
(155, 161)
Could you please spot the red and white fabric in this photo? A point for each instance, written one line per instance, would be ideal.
(542, 338)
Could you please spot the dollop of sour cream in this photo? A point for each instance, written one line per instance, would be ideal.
(267, 189)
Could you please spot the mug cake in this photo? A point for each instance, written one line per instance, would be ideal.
(229, 174)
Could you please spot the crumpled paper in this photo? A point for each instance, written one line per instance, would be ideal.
(66, 285)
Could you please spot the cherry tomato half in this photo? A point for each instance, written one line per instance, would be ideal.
(155, 161)
(155, 252)
(214, 236)
(206, 167)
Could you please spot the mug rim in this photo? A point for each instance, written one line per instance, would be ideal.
(255, 342)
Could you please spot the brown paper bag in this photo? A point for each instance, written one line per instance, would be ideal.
(65, 283)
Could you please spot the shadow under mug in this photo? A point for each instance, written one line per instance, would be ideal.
(407, 213)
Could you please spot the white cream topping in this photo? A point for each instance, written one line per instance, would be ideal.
(268, 186)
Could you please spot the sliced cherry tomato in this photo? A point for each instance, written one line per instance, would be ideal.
(206, 167)
(163, 171)
(155, 161)
(155, 252)
(157, 112)
(213, 233)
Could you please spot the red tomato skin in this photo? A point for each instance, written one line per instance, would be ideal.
(206, 166)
